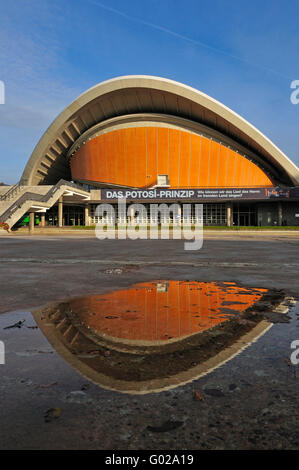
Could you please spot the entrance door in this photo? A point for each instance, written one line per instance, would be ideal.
(244, 214)
(244, 220)
(73, 215)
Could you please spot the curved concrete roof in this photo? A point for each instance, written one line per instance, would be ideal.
(138, 94)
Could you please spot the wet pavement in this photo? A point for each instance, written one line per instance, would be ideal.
(46, 269)
(245, 399)
(157, 335)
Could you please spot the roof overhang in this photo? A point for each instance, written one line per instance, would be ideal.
(138, 94)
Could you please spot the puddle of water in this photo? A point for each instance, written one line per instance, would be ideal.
(150, 337)
(156, 335)
(155, 312)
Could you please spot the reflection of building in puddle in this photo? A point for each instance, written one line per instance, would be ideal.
(162, 311)
(162, 287)
(155, 335)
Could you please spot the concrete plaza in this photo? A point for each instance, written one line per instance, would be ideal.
(256, 403)
(41, 269)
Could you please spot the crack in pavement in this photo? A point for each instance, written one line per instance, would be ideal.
(224, 264)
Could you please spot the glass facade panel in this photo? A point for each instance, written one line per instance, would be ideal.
(72, 215)
(244, 214)
(213, 214)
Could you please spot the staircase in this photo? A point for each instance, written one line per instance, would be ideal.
(20, 199)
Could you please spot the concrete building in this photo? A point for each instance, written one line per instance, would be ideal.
(153, 140)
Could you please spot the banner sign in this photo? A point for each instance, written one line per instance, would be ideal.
(198, 193)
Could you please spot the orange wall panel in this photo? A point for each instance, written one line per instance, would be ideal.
(134, 157)
(184, 169)
(152, 162)
(195, 161)
(251, 173)
(110, 157)
(102, 166)
(230, 177)
(222, 166)
(141, 156)
(204, 163)
(238, 166)
(174, 156)
(130, 158)
(214, 164)
(163, 147)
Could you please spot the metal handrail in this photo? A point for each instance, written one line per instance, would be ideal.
(10, 192)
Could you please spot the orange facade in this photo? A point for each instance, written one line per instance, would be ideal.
(162, 310)
(133, 157)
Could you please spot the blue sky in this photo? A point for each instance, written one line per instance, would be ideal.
(245, 54)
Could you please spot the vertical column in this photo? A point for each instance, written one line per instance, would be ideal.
(86, 215)
(132, 214)
(279, 213)
(179, 214)
(152, 215)
(60, 211)
(43, 220)
(31, 222)
(176, 225)
(229, 214)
